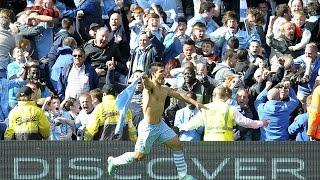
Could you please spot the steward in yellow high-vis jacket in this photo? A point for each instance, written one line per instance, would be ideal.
(218, 120)
(104, 120)
(26, 120)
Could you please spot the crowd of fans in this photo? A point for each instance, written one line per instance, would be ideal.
(63, 63)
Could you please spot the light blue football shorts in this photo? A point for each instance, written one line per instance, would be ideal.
(150, 133)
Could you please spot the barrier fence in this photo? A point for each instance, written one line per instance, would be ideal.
(206, 160)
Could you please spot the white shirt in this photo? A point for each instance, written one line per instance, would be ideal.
(82, 119)
(78, 82)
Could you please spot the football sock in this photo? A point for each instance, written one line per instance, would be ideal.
(180, 163)
(125, 158)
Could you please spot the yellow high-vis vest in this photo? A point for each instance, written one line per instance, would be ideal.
(218, 122)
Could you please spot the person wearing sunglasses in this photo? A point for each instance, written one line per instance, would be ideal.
(78, 77)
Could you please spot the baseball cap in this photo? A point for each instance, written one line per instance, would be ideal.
(108, 89)
(24, 91)
(94, 25)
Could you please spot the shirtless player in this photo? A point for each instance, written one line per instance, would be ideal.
(153, 128)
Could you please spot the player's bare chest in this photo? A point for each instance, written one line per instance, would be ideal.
(157, 96)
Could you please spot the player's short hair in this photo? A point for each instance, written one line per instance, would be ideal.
(154, 67)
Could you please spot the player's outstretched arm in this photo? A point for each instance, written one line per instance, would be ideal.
(184, 98)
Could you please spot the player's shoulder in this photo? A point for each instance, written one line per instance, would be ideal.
(165, 87)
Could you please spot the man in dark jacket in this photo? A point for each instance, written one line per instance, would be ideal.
(99, 52)
(77, 78)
